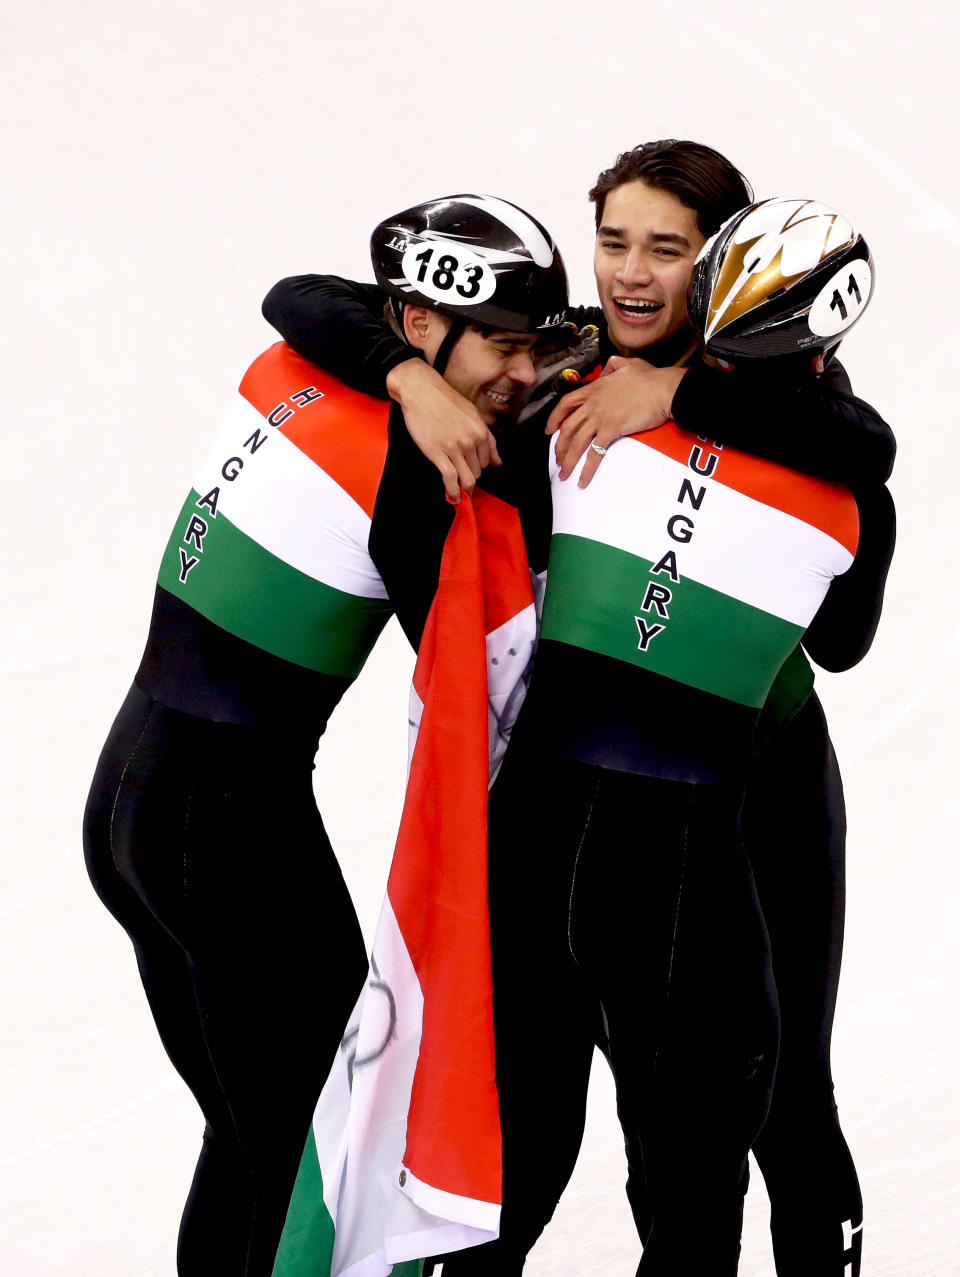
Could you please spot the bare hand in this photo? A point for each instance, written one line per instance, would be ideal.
(446, 428)
(629, 397)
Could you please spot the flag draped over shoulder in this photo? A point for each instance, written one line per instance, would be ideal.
(404, 1157)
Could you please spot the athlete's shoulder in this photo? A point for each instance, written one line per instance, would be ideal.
(342, 430)
(821, 503)
(279, 382)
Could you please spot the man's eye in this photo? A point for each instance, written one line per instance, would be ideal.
(610, 244)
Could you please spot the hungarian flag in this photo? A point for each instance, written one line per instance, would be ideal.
(404, 1158)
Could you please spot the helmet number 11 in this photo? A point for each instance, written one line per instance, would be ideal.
(841, 300)
(852, 290)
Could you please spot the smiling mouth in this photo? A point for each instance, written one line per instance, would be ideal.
(498, 398)
(636, 307)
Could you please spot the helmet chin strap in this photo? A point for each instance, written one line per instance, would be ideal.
(452, 336)
(397, 308)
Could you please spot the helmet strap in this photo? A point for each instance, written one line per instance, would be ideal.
(452, 336)
(397, 307)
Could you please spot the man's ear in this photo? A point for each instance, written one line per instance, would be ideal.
(416, 325)
(818, 363)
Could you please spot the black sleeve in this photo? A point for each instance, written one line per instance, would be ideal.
(813, 424)
(411, 519)
(841, 633)
(338, 325)
(412, 515)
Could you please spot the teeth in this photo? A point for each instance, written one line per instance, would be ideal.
(629, 303)
(498, 398)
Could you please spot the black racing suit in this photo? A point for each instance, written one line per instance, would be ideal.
(792, 821)
(618, 881)
(203, 839)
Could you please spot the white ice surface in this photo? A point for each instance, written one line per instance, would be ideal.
(163, 165)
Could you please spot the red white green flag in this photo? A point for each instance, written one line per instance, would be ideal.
(404, 1158)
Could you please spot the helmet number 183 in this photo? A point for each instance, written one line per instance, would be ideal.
(445, 276)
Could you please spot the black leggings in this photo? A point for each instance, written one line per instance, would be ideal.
(204, 841)
(623, 906)
(794, 827)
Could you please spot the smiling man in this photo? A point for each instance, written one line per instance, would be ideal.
(304, 530)
(490, 368)
(646, 246)
(655, 206)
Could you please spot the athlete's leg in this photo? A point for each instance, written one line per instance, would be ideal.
(794, 827)
(163, 965)
(544, 1018)
(276, 975)
(226, 853)
(666, 921)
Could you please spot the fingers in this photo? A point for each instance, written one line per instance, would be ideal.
(579, 433)
(460, 449)
(576, 442)
(447, 428)
(589, 468)
(575, 418)
(451, 479)
(460, 470)
(568, 404)
(481, 453)
(470, 467)
(473, 452)
(567, 430)
(595, 448)
(604, 439)
(465, 476)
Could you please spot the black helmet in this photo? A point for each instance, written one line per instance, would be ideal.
(475, 257)
(781, 277)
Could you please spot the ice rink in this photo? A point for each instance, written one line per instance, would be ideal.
(164, 164)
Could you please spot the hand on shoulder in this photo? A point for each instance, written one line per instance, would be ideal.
(630, 396)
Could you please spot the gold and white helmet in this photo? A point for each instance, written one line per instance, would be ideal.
(781, 277)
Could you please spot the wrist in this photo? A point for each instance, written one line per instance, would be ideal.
(404, 378)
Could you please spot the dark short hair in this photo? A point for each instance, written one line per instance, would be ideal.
(697, 175)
